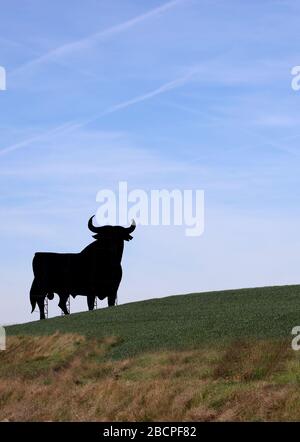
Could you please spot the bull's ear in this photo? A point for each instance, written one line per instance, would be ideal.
(97, 236)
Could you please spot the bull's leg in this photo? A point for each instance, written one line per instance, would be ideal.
(63, 303)
(111, 300)
(91, 302)
(112, 292)
(41, 304)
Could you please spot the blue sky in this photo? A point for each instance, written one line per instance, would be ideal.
(188, 94)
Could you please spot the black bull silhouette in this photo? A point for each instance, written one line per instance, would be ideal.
(95, 271)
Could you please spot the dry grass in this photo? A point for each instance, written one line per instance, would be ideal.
(69, 378)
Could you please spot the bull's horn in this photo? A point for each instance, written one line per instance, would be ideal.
(92, 227)
(132, 227)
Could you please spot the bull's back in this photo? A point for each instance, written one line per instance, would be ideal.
(56, 268)
(49, 260)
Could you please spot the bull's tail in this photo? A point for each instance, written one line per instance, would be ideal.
(34, 289)
(35, 293)
(34, 297)
(33, 300)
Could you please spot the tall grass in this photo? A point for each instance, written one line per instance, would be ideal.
(65, 377)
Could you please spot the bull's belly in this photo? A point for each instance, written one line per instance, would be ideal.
(101, 293)
(82, 292)
(99, 296)
(74, 291)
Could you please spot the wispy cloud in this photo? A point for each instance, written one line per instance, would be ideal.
(83, 43)
(73, 125)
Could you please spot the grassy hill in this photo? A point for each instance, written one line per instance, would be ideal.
(183, 321)
(202, 356)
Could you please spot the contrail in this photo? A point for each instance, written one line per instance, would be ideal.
(174, 84)
(72, 125)
(86, 42)
(11, 148)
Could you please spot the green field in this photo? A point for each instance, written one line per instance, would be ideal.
(184, 321)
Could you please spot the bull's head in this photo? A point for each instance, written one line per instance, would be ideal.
(112, 232)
